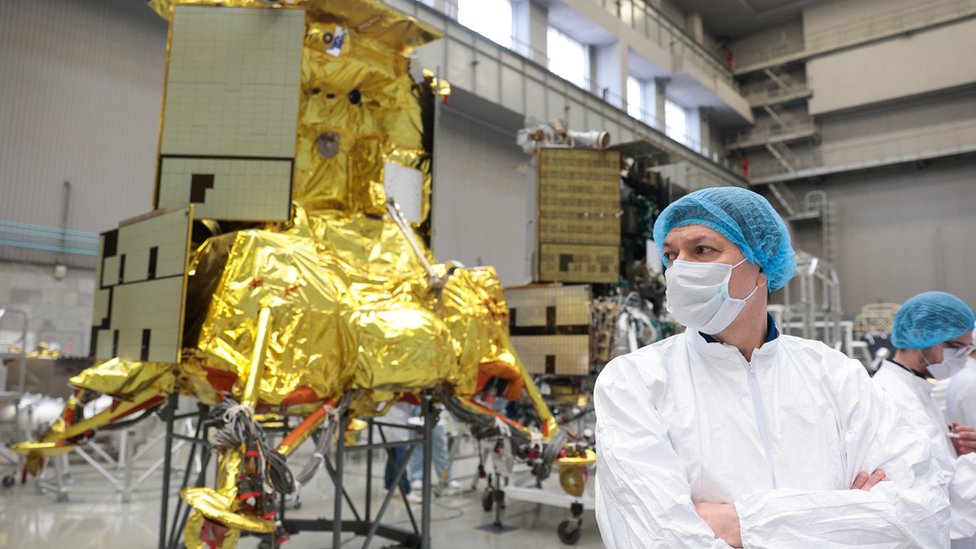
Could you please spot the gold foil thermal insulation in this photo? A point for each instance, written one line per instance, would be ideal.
(351, 308)
(356, 89)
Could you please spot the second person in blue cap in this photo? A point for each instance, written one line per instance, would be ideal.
(933, 336)
(731, 434)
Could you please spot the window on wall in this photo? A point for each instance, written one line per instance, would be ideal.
(676, 122)
(635, 99)
(568, 57)
(489, 18)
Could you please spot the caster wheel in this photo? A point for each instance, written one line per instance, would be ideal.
(297, 505)
(8, 481)
(569, 532)
(265, 544)
(488, 500)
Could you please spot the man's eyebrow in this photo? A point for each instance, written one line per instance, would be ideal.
(695, 240)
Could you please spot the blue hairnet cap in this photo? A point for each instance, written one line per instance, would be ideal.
(742, 216)
(930, 318)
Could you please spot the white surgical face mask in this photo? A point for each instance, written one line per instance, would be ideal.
(953, 362)
(698, 295)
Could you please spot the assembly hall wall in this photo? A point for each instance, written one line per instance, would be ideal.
(903, 230)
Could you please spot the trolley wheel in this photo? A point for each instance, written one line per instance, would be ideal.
(8, 481)
(488, 500)
(264, 544)
(569, 532)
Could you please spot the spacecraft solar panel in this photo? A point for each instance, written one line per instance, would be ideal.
(578, 215)
(230, 112)
(550, 328)
(140, 277)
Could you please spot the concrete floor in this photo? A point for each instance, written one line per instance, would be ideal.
(95, 518)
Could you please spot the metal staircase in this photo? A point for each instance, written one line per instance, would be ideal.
(782, 128)
(814, 207)
(784, 155)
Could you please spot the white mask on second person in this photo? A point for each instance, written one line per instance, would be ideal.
(698, 295)
(953, 362)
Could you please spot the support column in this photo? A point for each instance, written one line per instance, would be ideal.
(693, 129)
(531, 27)
(444, 6)
(660, 96)
(694, 27)
(705, 131)
(649, 114)
(610, 73)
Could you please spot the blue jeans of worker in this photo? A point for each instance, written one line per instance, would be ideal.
(439, 457)
(394, 459)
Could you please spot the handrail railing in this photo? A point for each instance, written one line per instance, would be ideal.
(678, 41)
(855, 31)
(763, 133)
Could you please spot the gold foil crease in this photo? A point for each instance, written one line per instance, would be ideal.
(221, 505)
(364, 95)
(124, 379)
(351, 308)
(193, 530)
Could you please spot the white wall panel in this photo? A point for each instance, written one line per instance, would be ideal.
(481, 196)
(903, 231)
(512, 96)
(80, 94)
(895, 68)
(535, 98)
(930, 126)
(488, 77)
(835, 24)
(458, 64)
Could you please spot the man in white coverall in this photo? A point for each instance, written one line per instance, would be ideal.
(961, 395)
(933, 336)
(731, 434)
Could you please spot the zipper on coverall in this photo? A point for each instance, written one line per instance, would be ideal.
(761, 423)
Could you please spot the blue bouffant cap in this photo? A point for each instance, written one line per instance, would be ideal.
(929, 319)
(742, 216)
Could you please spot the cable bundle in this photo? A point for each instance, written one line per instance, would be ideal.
(236, 428)
(324, 441)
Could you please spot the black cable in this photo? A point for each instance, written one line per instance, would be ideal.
(123, 424)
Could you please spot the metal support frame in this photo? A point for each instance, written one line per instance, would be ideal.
(367, 525)
(123, 477)
(170, 528)
(812, 301)
(171, 539)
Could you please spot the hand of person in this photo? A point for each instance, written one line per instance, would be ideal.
(966, 443)
(864, 481)
(723, 520)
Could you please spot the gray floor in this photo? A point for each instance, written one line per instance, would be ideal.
(94, 517)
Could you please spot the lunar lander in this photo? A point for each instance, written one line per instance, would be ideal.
(284, 267)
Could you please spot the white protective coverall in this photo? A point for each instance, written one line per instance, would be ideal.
(961, 395)
(782, 438)
(913, 396)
